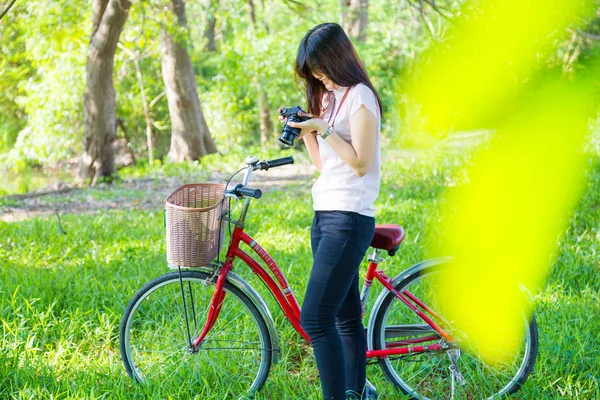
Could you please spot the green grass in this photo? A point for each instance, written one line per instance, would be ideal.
(62, 295)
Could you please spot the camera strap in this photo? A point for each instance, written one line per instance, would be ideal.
(339, 107)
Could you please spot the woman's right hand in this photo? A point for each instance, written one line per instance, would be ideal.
(303, 132)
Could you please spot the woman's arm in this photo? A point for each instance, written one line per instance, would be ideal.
(363, 129)
(360, 154)
(310, 140)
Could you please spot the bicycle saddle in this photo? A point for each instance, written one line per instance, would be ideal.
(388, 237)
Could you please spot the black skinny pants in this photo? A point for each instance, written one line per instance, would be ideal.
(331, 313)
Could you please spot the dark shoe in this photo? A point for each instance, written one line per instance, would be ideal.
(368, 394)
(352, 395)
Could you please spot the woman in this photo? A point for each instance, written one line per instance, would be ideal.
(343, 144)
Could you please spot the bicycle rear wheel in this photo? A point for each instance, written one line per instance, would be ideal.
(235, 356)
(428, 375)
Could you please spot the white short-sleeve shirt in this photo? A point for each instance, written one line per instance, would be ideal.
(338, 188)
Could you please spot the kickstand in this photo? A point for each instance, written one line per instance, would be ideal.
(454, 355)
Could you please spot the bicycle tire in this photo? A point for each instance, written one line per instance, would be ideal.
(427, 375)
(235, 356)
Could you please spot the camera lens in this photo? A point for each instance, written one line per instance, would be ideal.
(289, 134)
(286, 139)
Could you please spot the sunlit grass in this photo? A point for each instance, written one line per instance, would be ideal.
(62, 296)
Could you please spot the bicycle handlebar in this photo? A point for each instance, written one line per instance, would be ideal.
(241, 190)
(265, 165)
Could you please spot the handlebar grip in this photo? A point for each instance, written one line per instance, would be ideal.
(246, 191)
(265, 165)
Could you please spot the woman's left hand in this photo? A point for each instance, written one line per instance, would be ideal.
(316, 125)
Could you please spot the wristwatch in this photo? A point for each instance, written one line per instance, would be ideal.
(327, 132)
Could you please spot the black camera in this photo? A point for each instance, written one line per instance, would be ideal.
(289, 134)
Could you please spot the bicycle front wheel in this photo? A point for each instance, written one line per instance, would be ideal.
(429, 375)
(169, 313)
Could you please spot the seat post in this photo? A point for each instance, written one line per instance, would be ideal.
(374, 260)
(375, 256)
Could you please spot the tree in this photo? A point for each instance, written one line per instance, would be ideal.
(354, 18)
(97, 161)
(3, 10)
(135, 58)
(210, 23)
(266, 126)
(15, 68)
(190, 136)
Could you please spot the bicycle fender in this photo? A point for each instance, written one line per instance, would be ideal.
(415, 269)
(260, 304)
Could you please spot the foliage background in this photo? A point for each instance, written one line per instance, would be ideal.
(43, 70)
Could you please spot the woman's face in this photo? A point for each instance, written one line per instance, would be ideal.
(329, 85)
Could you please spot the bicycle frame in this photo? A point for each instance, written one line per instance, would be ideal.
(286, 299)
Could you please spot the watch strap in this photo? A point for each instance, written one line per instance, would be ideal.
(327, 132)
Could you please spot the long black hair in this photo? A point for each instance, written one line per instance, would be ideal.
(326, 49)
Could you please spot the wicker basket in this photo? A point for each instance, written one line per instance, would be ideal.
(193, 221)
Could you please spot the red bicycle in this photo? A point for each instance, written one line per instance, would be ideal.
(208, 327)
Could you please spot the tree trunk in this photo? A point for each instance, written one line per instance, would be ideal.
(190, 137)
(354, 18)
(210, 7)
(147, 118)
(266, 125)
(97, 160)
(251, 12)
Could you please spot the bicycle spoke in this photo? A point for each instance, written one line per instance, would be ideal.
(157, 349)
(235, 348)
(428, 375)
